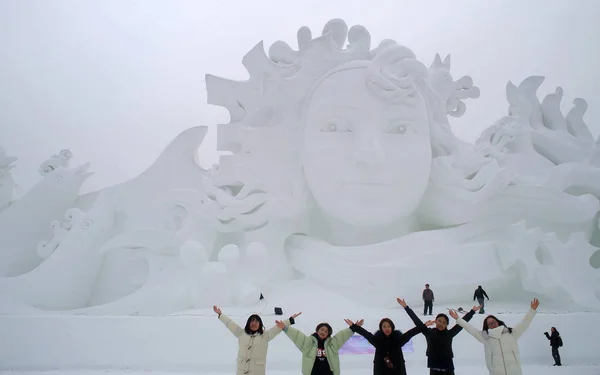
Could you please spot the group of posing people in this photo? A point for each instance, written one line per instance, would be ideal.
(320, 349)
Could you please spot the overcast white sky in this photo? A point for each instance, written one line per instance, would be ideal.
(116, 80)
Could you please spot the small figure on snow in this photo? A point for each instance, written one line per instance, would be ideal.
(555, 342)
(479, 295)
(428, 299)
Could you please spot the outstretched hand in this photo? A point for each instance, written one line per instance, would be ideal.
(429, 323)
(217, 310)
(401, 302)
(296, 315)
(453, 314)
(280, 324)
(476, 308)
(535, 303)
(358, 322)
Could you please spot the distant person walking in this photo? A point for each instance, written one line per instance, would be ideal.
(479, 295)
(555, 342)
(428, 299)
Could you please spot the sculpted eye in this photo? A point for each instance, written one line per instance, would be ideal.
(86, 224)
(336, 127)
(400, 128)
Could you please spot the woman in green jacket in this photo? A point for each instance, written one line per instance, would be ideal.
(319, 350)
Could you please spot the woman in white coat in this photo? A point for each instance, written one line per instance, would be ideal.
(500, 342)
(253, 341)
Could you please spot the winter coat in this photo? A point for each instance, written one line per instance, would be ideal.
(479, 294)
(501, 346)
(252, 351)
(388, 346)
(439, 343)
(308, 346)
(555, 339)
(428, 295)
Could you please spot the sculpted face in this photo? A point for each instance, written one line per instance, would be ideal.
(367, 161)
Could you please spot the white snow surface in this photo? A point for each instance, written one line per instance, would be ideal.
(196, 342)
(466, 370)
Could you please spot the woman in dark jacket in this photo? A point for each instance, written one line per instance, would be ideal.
(555, 343)
(388, 343)
(439, 342)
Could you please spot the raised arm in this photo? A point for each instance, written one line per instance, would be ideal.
(231, 325)
(366, 334)
(520, 328)
(276, 329)
(472, 330)
(299, 339)
(468, 316)
(339, 339)
(418, 322)
(547, 335)
(406, 336)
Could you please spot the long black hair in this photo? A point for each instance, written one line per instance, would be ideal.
(500, 323)
(261, 327)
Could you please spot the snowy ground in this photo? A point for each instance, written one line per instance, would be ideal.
(466, 370)
(195, 342)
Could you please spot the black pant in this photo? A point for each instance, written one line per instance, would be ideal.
(556, 356)
(436, 372)
(481, 303)
(428, 305)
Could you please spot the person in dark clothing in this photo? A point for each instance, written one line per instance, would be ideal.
(428, 299)
(388, 343)
(479, 295)
(555, 343)
(439, 342)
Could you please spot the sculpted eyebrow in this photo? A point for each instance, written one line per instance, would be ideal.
(341, 106)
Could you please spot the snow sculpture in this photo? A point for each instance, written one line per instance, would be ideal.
(64, 280)
(343, 170)
(7, 184)
(27, 221)
(150, 256)
(55, 161)
(350, 159)
(45, 248)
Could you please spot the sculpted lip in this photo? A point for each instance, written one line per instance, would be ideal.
(368, 183)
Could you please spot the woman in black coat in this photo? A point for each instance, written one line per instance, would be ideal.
(388, 343)
(439, 342)
(555, 343)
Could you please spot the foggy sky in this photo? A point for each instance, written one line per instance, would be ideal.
(115, 80)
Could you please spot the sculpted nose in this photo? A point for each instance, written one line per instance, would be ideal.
(368, 151)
